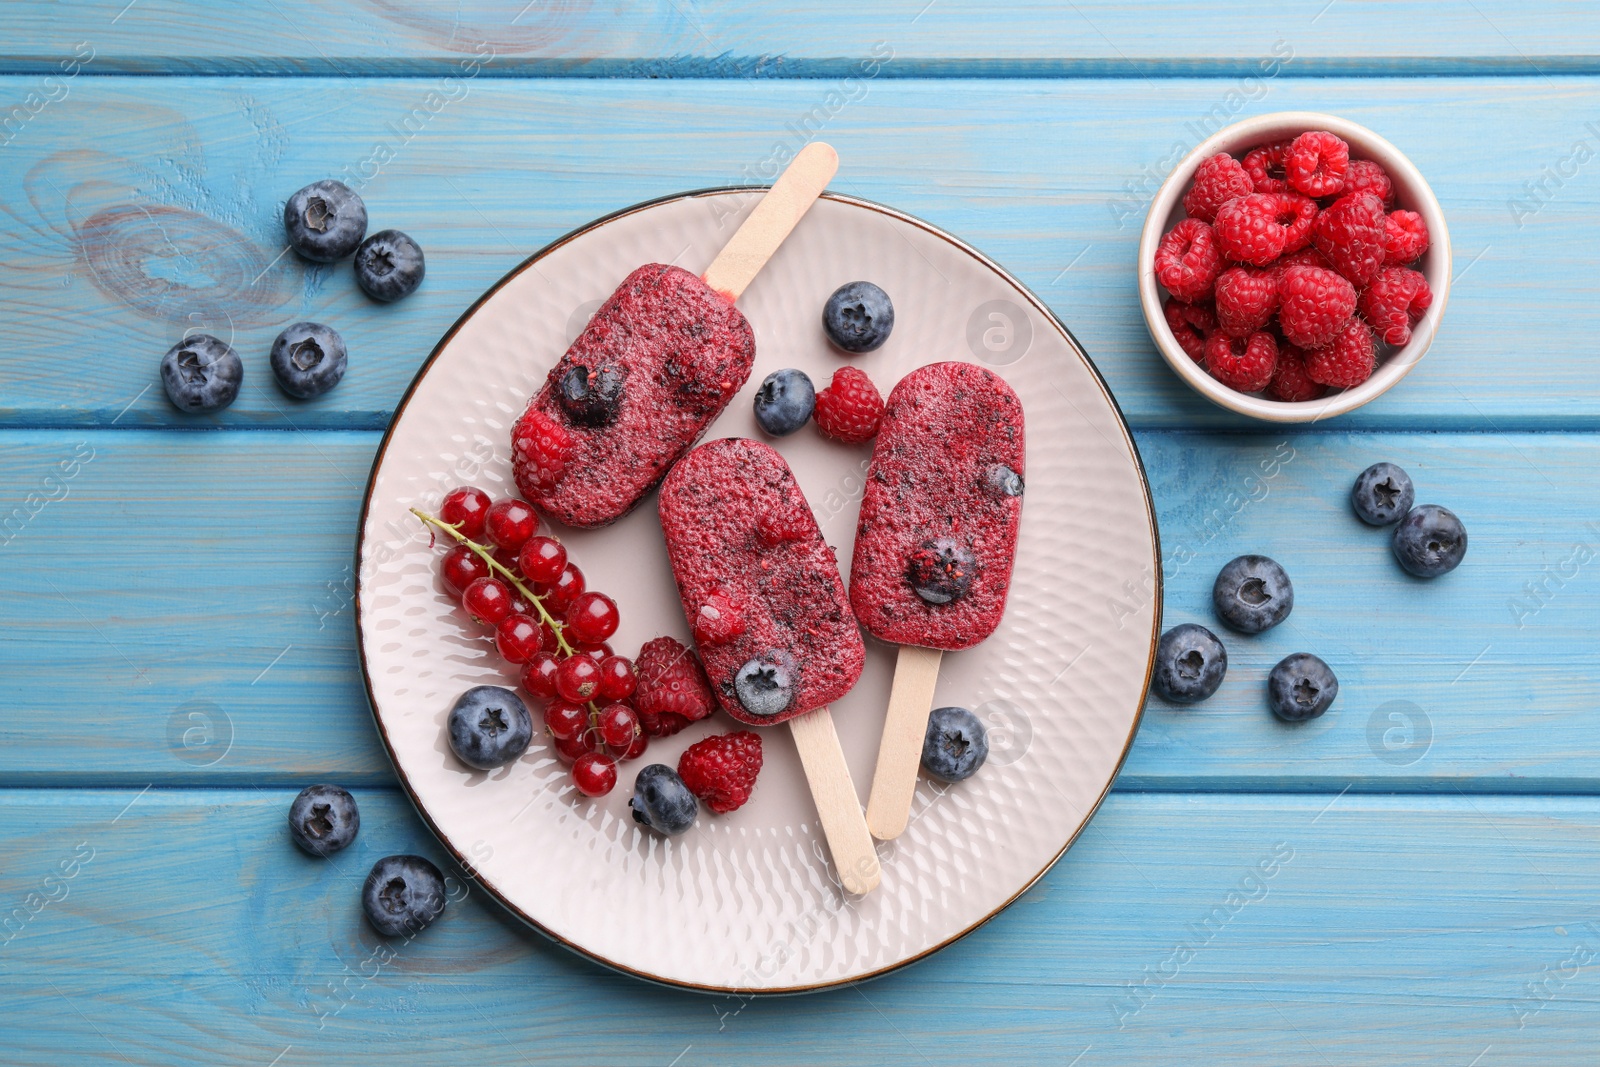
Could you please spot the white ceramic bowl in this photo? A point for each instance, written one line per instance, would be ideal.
(1411, 193)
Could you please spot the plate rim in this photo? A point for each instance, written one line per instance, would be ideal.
(458, 856)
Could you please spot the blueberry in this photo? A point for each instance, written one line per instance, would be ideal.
(201, 373)
(941, 570)
(765, 684)
(308, 359)
(591, 396)
(489, 727)
(784, 401)
(1002, 480)
(1190, 664)
(403, 895)
(325, 221)
(1382, 494)
(1430, 541)
(1252, 594)
(662, 802)
(955, 745)
(389, 266)
(858, 317)
(323, 819)
(1301, 687)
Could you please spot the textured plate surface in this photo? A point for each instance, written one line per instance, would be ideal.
(748, 902)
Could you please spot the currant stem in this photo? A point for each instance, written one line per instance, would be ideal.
(488, 557)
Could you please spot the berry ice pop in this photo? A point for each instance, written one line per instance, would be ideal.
(762, 592)
(759, 586)
(659, 360)
(655, 365)
(934, 547)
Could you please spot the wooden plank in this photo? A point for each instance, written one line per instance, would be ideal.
(205, 574)
(171, 222)
(183, 606)
(1177, 925)
(1436, 678)
(667, 39)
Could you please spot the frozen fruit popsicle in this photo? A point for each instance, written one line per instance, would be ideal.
(655, 365)
(762, 592)
(934, 547)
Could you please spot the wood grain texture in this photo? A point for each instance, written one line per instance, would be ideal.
(178, 627)
(663, 38)
(894, 776)
(207, 573)
(1177, 925)
(170, 222)
(772, 220)
(838, 801)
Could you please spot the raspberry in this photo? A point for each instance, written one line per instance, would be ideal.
(1317, 164)
(1246, 299)
(1314, 305)
(1347, 361)
(1265, 167)
(722, 770)
(1305, 257)
(1190, 324)
(780, 526)
(1242, 363)
(1216, 181)
(1299, 214)
(1290, 381)
(1394, 302)
(1187, 260)
(1367, 177)
(1255, 229)
(1351, 235)
(540, 449)
(849, 409)
(672, 689)
(719, 620)
(1405, 238)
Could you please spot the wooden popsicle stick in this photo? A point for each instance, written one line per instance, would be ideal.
(790, 197)
(894, 780)
(838, 807)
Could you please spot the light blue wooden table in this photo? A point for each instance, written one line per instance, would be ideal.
(177, 640)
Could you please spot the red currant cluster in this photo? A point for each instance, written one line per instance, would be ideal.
(520, 583)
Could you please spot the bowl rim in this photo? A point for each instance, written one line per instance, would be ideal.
(1420, 199)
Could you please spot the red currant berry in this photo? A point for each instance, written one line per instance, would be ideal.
(461, 567)
(636, 749)
(518, 637)
(465, 509)
(598, 653)
(565, 721)
(594, 775)
(570, 748)
(521, 605)
(559, 595)
(617, 680)
(578, 679)
(619, 725)
(539, 675)
(542, 560)
(510, 523)
(547, 639)
(487, 600)
(592, 618)
(508, 560)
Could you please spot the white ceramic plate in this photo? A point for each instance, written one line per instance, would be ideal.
(748, 902)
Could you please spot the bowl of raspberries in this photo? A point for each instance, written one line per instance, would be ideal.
(1294, 266)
